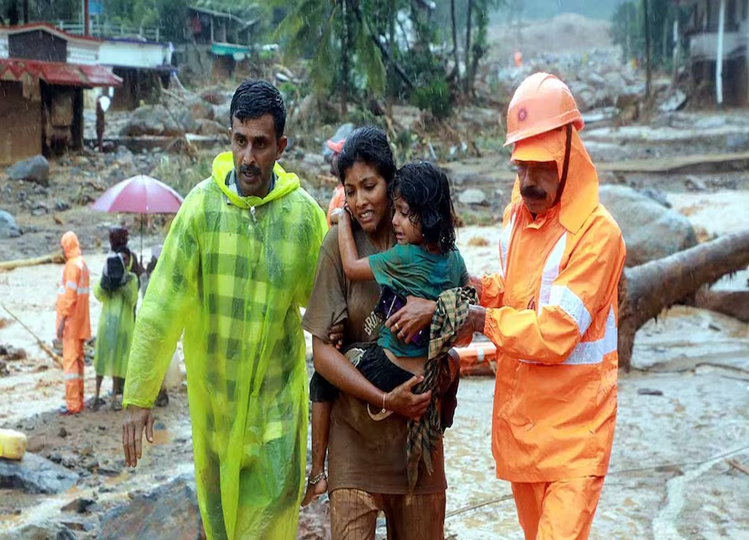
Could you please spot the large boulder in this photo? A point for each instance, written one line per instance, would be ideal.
(651, 231)
(170, 512)
(216, 95)
(34, 169)
(8, 227)
(35, 474)
(151, 120)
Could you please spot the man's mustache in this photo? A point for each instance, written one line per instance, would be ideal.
(249, 170)
(532, 192)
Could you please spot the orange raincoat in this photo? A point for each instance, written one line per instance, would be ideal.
(552, 313)
(72, 303)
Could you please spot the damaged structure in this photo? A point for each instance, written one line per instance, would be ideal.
(220, 40)
(43, 72)
(718, 33)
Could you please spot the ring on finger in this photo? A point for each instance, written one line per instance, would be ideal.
(397, 328)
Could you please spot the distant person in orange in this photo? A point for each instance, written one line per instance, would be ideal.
(518, 57)
(339, 196)
(552, 311)
(73, 323)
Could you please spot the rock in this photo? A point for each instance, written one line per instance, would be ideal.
(61, 206)
(472, 196)
(80, 505)
(657, 195)
(151, 120)
(62, 433)
(674, 102)
(695, 184)
(8, 227)
(4, 369)
(651, 231)
(42, 531)
(35, 475)
(170, 512)
(221, 113)
(35, 169)
(216, 95)
(210, 127)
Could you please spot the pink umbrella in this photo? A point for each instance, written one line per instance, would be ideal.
(140, 194)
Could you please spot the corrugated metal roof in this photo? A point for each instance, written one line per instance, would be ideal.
(20, 29)
(16, 69)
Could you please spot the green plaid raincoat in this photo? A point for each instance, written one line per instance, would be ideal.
(233, 273)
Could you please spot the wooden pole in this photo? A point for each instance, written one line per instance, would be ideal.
(39, 341)
(719, 55)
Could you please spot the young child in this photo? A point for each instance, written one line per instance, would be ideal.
(423, 263)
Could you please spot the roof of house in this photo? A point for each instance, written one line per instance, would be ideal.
(61, 73)
(11, 30)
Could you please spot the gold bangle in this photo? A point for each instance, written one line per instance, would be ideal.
(384, 395)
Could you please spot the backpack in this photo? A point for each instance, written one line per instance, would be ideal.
(114, 274)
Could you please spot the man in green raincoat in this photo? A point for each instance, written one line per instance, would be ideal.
(236, 266)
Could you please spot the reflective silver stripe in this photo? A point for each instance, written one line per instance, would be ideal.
(60, 290)
(71, 376)
(592, 352)
(551, 271)
(83, 290)
(572, 306)
(72, 285)
(504, 246)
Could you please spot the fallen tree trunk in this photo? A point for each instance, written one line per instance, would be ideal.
(732, 303)
(56, 257)
(648, 289)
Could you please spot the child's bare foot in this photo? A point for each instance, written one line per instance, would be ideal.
(316, 486)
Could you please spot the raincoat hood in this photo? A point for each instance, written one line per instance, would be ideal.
(224, 164)
(70, 245)
(580, 195)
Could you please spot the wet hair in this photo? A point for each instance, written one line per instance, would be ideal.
(368, 145)
(426, 190)
(256, 98)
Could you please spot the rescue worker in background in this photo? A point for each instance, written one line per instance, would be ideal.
(339, 196)
(551, 311)
(234, 271)
(73, 323)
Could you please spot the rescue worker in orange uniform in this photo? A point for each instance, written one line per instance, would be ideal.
(551, 311)
(73, 323)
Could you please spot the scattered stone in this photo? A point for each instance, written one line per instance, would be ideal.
(15, 353)
(472, 196)
(649, 392)
(35, 169)
(35, 475)
(206, 126)
(714, 327)
(80, 505)
(4, 369)
(77, 525)
(695, 184)
(8, 227)
(657, 195)
(61, 206)
(216, 95)
(62, 433)
(151, 120)
(650, 230)
(109, 471)
(170, 512)
(42, 531)
(478, 241)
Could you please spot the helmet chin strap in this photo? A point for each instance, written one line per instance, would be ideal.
(566, 165)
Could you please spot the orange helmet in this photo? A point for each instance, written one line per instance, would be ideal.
(541, 103)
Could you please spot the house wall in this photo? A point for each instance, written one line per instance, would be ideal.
(38, 45)
(20, 130)
(134, 55)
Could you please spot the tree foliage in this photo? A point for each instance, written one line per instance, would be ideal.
(628, 30)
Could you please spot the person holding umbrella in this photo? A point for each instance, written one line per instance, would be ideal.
(234, 270)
